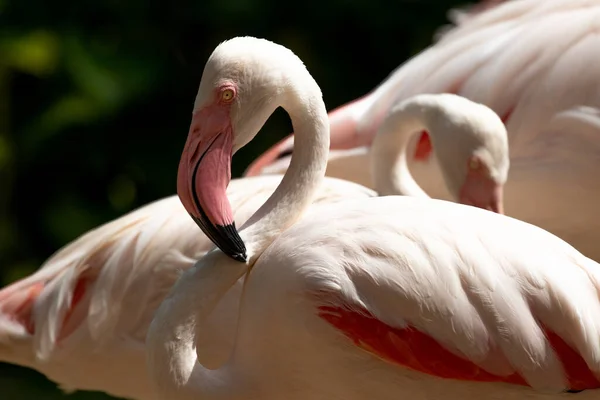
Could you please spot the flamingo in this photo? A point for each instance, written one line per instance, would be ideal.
(82, 318)
(530, 61)
(367, 298)
(78, 319)
(462, 129)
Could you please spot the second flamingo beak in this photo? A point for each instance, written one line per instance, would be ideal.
(203, 176)
(481, 191)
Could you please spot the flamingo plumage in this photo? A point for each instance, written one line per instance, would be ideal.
(82, 318)
(368, 298)
(530, 61)
(79, 320)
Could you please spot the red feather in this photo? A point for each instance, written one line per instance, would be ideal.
(78, 293)
(23, 313)
(418, 351)
(424, 147)
(507, 115)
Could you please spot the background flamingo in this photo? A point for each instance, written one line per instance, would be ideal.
(433, 298)
(471, 132)
(540, 79)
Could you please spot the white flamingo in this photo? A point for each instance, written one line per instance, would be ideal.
(79, 320)
(373, 298)
(462, 134)
(82, 318)
(532, 62)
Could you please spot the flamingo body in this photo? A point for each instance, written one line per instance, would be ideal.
(399, 284)
(82, 318)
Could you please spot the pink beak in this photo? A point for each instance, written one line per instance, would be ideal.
(481, 191)
(203, 176)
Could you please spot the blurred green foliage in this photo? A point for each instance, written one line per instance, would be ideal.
(96, 96)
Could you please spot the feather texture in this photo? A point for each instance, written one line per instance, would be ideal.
(444, 290)
(82, 317)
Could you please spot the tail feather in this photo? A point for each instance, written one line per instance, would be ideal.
(112, 286)
(86, 278)
(16, 305)
(50, 311)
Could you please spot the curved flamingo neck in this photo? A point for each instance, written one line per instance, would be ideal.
(388, 153)
(303, 176)
(170, 343)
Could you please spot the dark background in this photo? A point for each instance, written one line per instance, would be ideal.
(96, 99)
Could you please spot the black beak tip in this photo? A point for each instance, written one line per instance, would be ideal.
(232, 247)
(226, 237)
(231, 243)
(241, 257)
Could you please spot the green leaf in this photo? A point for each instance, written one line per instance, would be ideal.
(35, 53)
(109, 77)
(67, 111)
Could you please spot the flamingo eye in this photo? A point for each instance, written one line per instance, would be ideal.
(227, 95)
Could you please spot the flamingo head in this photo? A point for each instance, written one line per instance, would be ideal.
(472, 149)
(243, 82)
(483, 187)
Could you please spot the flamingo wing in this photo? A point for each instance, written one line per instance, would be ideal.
(452, 291)
(91, 279)
(411, 348)
(99, 281)
(501, 58)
